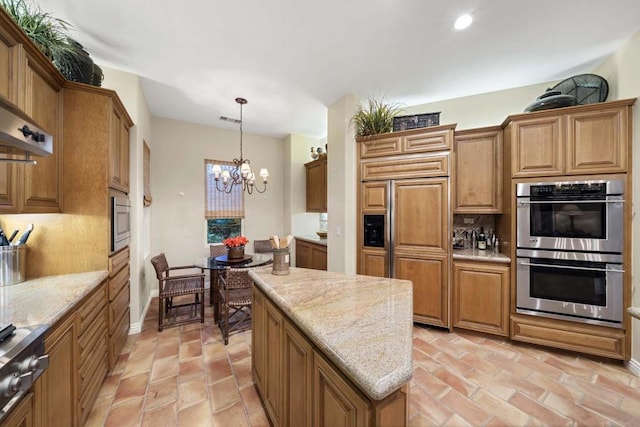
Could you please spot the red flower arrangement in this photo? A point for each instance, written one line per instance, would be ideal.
(233, 242)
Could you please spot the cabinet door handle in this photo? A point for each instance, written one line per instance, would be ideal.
(570, 267)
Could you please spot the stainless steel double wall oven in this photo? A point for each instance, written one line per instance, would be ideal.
(570, 239)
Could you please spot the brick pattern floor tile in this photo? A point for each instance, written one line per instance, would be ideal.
(185, 376)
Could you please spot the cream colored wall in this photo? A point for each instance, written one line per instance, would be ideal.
(621, 72)
(177, 183)
(341, 190)
(130, 92)
(482, 110)
(300, 222)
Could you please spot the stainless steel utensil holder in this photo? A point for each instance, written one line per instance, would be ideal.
(13, 261)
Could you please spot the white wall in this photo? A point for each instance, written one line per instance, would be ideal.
(621, 72)
(299, 222)
(341, 190)
(177, 183)
(130, 92)
(486, 109)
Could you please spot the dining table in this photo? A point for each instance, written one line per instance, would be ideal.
(219, 263)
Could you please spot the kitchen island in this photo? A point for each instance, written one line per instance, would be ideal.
(332, 346)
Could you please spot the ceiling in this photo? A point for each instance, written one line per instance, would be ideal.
(292, 58)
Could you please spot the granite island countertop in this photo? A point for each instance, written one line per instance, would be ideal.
(363, 324)
(46, 300)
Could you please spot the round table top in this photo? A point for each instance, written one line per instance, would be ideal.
(217, 263)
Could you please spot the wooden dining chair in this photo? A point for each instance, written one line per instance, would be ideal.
(178, 287)
(234, 301)
(214, 251)
(262, 246)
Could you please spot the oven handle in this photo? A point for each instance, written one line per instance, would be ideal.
(568, 267)
(533, 202)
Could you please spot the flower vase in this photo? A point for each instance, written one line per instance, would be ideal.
(236, 252)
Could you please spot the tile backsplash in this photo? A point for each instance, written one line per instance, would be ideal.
(462, 223)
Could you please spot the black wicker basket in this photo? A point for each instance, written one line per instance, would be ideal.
(416, 121)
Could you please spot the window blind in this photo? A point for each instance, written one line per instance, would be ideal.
(219, 204)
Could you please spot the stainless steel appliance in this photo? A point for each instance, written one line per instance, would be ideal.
(578, 286)
(120, 223)
(22, 361)
(584, 216)
(18, 135)
(570, 239)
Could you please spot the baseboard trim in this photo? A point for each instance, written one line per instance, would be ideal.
(135, 328)
(634, 366)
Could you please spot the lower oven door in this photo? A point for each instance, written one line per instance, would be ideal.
(573, 286)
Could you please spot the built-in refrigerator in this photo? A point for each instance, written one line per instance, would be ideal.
(405, 229)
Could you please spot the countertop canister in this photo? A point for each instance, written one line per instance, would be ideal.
(280, 261)
(13, 260)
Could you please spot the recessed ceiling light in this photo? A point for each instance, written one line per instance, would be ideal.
(463, 22)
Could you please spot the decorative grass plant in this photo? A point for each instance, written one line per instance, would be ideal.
(50, 35)
(376, 119)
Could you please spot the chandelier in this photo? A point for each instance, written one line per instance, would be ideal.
(241, 173)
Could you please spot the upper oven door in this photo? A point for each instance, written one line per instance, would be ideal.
(585, 216)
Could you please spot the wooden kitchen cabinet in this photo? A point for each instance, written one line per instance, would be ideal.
(335, 402)
(119, 149)
(56, 391)
(118, 306)
(21, 415)
(414, 141)
(26, 188)
(581, 140)
(77, 349)
(30, 84)
(311, 255)
(481, 297)
(297, 377)
(299, 386)
(316, 189)
(421, 245)
(581, 337)
(477, 166)
(258, 340)
(273, 390)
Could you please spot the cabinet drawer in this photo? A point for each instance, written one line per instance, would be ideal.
(118, 261)
(87, 341)
(93, 307)
(92, 389)
(117, 307)
(94, 363)
(419, 166)
(588, 339)
(381, 146)
(118, 338)
(118, 282)
(428, 141)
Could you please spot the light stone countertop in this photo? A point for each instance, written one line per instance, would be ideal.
(312, 239)
(363, 324)
(46, 300)
(479, 255)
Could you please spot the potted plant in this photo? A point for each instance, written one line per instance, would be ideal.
(376, 119)
(49, 34)
(235, 246)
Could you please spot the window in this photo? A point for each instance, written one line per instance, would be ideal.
(222, 211)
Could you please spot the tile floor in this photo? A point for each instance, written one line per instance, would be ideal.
(185, 376)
